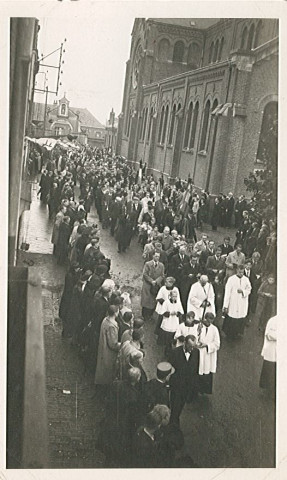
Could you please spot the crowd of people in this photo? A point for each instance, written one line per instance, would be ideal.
(188, 284)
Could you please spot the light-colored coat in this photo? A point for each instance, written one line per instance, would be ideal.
(237, 303)
(208, 357)
(107, 352)
(270, 340)
(197, 295)
(55, 234)
(150, 273)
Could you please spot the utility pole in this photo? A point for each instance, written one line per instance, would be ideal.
(46, 89)
(45, 112)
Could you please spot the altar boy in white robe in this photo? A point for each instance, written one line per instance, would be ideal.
(201, 298)
(208, 344)
(235, 304)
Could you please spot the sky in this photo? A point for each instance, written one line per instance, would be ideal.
(96, 52)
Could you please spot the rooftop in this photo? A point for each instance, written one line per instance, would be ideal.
(188, 22)
(86, 118)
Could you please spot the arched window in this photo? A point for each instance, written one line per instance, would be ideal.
(211, 52)
(194, 125)
(220, 49)
(244, 38)
(161, 124)
(129, 123)
(178, 51)
(141, 125)
(214, 105)
(188, 125)
(171, 128)
(165, 124)
(163, 49)
(250, 37)
(145, 122)
(63, 109)
(215, 53)
(150, 123)
(268, 139)
(194, 55)
(205, 125)
(257, 40)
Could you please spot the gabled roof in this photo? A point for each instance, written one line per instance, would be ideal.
(86, 118)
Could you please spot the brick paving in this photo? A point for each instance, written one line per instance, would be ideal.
(232, 428)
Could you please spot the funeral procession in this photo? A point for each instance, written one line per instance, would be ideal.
(142, 242)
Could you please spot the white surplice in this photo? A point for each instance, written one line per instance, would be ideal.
(196, 297)
(237, 303)
(163, 294)
(208, 356)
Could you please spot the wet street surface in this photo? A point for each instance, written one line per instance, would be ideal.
(234, 427)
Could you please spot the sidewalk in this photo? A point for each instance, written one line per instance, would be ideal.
(40, 227)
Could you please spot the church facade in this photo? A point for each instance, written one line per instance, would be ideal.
(199, 97)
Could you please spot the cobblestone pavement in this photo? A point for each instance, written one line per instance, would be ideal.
(234, 427)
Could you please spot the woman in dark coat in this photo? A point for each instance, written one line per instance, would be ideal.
(73, 317)
(266, 302)
(63, 241)
(216, 215)
(124, 232)
(71, 278)
(44, 187)
(54, 200)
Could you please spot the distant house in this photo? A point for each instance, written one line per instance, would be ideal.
(60, 120)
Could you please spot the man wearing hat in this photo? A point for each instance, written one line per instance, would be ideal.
(156, 391)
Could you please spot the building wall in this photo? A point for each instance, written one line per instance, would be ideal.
(23, 40)
(263, 89)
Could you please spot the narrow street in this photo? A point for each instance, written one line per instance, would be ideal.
(232, 428)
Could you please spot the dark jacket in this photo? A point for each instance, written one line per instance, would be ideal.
(214, 264)
(155, 393)
(186, 371)
(177, 265)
